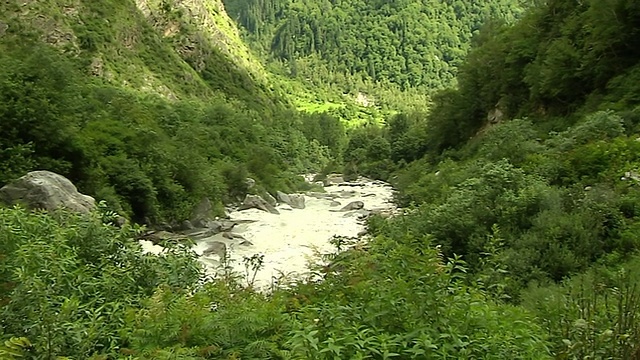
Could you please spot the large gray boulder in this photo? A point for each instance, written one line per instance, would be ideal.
(256, 202)
(46, 190)
(296, 201)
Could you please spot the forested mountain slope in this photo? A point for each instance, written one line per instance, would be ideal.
(528, 170)
(409, 43)
(150, 105)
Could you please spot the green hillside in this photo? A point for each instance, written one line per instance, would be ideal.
(404, 43)
(527, 170)
(363, 61)
(148, 105)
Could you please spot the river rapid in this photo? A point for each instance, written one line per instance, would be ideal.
(292, 240)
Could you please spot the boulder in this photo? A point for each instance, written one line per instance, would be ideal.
(354, 205)
(383, 213)
(120, 221)
(186, 225)
(216, 248)
(364, 179)
(250, 183)
(333, 179)
(201, 214)
(335, 203)
(227, 225)
(296, 201)
(208, 224)
(270, 199)
(256, 202)
(46, 190)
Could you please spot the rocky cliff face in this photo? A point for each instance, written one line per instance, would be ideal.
(199, 23)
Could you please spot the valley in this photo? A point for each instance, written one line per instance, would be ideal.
(475, 192)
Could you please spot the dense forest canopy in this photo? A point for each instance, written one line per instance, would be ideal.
(409, 43)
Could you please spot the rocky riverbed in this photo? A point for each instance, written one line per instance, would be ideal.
(288, 241)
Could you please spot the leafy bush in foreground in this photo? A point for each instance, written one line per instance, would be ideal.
(67, 280)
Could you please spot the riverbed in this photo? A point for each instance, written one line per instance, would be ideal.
(287, 243)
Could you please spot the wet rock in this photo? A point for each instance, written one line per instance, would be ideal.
(335, 203)
(157, 237)
(347, 194)
(353, 184)
(46, 190)
(333, 179)
(256, 202)
(296, 201)
(383, 213)
(198, 234)
(364, 179)
(232, 236)
(361, 215)
(216, 248)
(323, 196)
(354, 205)
(186, 225)
(201, 214)
(227, 225)
(270, 199)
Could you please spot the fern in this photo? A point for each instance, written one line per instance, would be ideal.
(15, 348)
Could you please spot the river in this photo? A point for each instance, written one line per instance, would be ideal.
(294, 238)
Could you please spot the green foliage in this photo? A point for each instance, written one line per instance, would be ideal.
(14, 348)
(407, 43)
(68, 279)
(151, 158)
(520, 213)
(551, 63)
(594, 314)
(397, 299)
(217, 322)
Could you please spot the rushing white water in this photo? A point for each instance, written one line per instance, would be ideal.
(294, 238)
